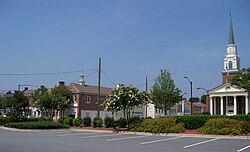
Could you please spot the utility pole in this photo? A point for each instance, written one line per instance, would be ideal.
(99, 88)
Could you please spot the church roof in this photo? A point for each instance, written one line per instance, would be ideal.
(231, 33)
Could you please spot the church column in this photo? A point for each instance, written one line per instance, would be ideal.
(211, 106)
(221, 106)
(214, 105)
(235, 105)
(247, 104)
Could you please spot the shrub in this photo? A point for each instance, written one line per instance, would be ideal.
(159, 125)
(68, 121)
(77, 121)
(195, 121)
(36, 125)
(4, 120)
(135, 120)
(240, 117)
(205, 113)
(109, 122)
(122, 123)
(97, 122)
(87, 121)
(225, 127)
(60, 120)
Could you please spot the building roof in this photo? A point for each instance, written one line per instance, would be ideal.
(77, 88)
(227, 88)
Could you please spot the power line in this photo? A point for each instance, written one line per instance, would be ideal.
(141, 85)
(39, 74)
(108, 77)
(85, 77)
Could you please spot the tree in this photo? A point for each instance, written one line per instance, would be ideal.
(18, 104)
(43, 100)
(60, 98)
(194, 99)
(124, 99)
(242, 79)
(164, 93)
(204, 99)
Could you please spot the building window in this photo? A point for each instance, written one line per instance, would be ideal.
(230, 65)
(74, 99)
(96, 99)
(87, 99)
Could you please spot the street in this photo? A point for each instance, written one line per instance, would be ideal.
(84, 141)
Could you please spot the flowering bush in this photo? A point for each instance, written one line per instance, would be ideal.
(124, 99)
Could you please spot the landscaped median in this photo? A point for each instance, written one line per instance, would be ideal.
(203, 124)
(36, 125)
(31, 123)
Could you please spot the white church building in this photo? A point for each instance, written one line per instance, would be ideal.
(226, 99)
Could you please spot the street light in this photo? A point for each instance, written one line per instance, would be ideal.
(25, 85)
(204, 90)
(191, 99)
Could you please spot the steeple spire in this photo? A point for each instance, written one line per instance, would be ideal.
(82, 81)
(231, 33)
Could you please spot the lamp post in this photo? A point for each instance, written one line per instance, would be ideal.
(204, 90)
(25, 85)
(191, 98)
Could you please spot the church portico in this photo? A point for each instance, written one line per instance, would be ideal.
(231, 103)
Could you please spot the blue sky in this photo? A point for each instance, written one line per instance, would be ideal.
(134, 38)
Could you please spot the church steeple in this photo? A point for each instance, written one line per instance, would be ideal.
(232, 59)
(231, 32)
(82, 81)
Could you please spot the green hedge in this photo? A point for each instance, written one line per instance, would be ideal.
(4, 120)
(36, 125)
(77, 121)
(159, 125)
(97, 122)
(225, 127)
(197, 121)
(86, 121)
(109, 122)
(122, 123)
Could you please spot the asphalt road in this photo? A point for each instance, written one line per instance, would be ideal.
(84, 141)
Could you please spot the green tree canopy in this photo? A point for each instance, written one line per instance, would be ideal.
(43, 100)
(194, 99)
(164, 93)
(124, 99)
(203, 98)
(60, 98)
(242, 80)
(18, 104)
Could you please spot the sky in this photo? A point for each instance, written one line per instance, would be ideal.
(134, 38)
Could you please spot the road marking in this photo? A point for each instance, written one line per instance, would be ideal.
(244, 148)
(48, 133)
(201, 143)
(154, 141)
(100, 136)
(70, 134)
(125, 138)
